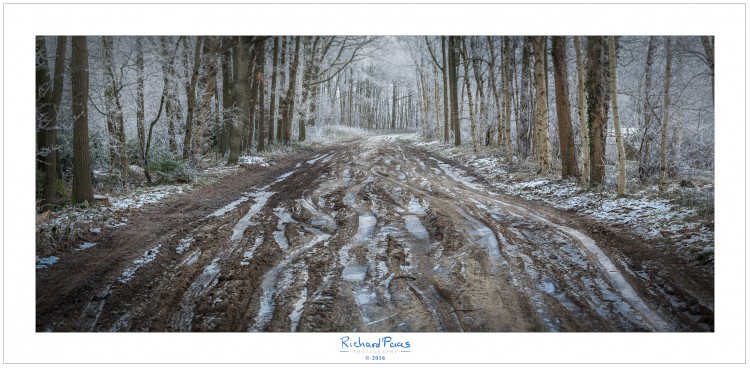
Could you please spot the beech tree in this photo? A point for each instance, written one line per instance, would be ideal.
(453, 81)
(79, 69)
(621, 179)
(595, 109)
(565, 125)
(541, 121)
(467, 82)
(585, 153)
(48, 96)
(665, 118)
(644, 167)
(507, 88)
(526, 103)
(190, 91)
(290, 93)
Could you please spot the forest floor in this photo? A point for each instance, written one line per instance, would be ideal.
(384, 233)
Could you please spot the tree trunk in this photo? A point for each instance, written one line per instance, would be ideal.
(48, 104)
(290, 93)
(708, 48)
(467, 82)
(565, 125)
(453, 79)
(621, 179)
(260, 93)
(186, 149)
(393, 106)
(495, 93)
(585, 170)
(282, 97)
(171, 104)
(272, 112)
(644, 163)
(446, 129)
(227, 99)
(665, 120)
(43, 92)
(525, 103)
(541, 122)
(79, 68)
(140, 100)
(203, 117)
(506, 87)
(595, 109)
(239, 62)
(480, 86)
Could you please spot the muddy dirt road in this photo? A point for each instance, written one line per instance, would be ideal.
(375, 235)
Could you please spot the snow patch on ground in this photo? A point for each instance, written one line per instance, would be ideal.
(148, 256)
(85, 246)
(253, 160)
(248, 255)
(184, 244)
(230, 207)
(415, 227)
(299, 306)
(144, 196)
(260, 201)
(284, 218)
(44, 262)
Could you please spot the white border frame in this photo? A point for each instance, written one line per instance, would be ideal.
(21, 22)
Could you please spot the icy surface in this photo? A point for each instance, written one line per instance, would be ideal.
(279, 235)
(147, 257)
(85, 246)
(184, 244)
(44, 262)
(141, 197)
(415, 227)
(252, 160)
(260, 201)
(230, 207)
(298, 307)
(248, 255)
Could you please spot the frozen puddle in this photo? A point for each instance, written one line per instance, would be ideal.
(184, 244)
(207, 279)
(279, 234)
(418, 207)
(364, 233)
(457, 175)
(193, 258)
(365, 228)
(314, 159)
(147, 257)
(249, 253)
(271, 279)
(230, 207)
(299, 305)
(260, 201)
(44, 262)
(354, 272)
(415, 227)
(320, 219)
(85, 246)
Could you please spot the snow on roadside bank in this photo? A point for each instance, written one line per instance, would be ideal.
(661, 221)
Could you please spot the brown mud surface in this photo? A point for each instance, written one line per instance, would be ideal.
(373, 235)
